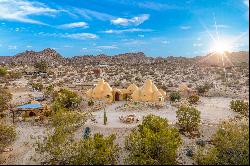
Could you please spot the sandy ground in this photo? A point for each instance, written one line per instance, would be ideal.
(23, 150)
(213, 110)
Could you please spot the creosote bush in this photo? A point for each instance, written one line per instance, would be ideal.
(202, 89)
(240, 106)
(66, 99)
(188, 118)
(175, 96)
(153, 143)
(7, 135)
(193, 99)
(230, 146)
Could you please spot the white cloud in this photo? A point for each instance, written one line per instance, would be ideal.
(165, 42)
(127, 30)
(135, 21)
(80, 36)
(12, 47)
(155, 6)
(185, 27)
(74, 25)
(108, 47)
(141, 35)
(29, 46)
(84, 48)
(90, 14)
(197, 44)
(20, 10)
(246, 2)
(221, 26)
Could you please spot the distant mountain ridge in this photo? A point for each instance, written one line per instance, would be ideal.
(53, 58)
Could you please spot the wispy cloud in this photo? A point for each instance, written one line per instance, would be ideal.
(135, 21)
(165, 42)
(29, 46)
(155, 6)
(12, 47)
(186, 27)
(21, 10)
(197, 44)
(221, 26)
(90, 14)
(246, 2)
(107, 47)
(74, 25)
(127, 30)
(80, 36)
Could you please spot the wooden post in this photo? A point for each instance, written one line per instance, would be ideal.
(13, 115)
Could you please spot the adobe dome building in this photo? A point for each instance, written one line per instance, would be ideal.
(149, 93)
(102, 91)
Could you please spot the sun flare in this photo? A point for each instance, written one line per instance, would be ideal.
(221, 47)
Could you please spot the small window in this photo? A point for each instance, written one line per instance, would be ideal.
(108, 96)
(160, 98)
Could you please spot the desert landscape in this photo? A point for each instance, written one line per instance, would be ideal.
(79, 74)
(124, 82)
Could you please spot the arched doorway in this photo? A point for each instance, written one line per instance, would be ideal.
(117, 96)
(32, 113)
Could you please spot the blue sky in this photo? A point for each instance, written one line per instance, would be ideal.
(157, 28)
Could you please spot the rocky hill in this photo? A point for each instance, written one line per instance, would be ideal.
(54, 58)
(226, 59)
(30, 57)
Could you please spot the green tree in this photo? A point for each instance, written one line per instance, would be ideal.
(67, 99)
(230, 146)
(188, 118)
(153, 143)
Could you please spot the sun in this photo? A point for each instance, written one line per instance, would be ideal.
(221, 47)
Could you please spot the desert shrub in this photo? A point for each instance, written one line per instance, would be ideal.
(230, 146)
(67, 99)
(7, 135)
(14, 75)
(96, 150)
(37, 86)
(153, 143)
(240, 106)
(68, 119)
(202, 89)
(188, 118)
(41, 66)
(5, 98)
(175, 96)
(91, 103)
(3, 71)
(60, 147)
(193, 99)
(49, 91)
